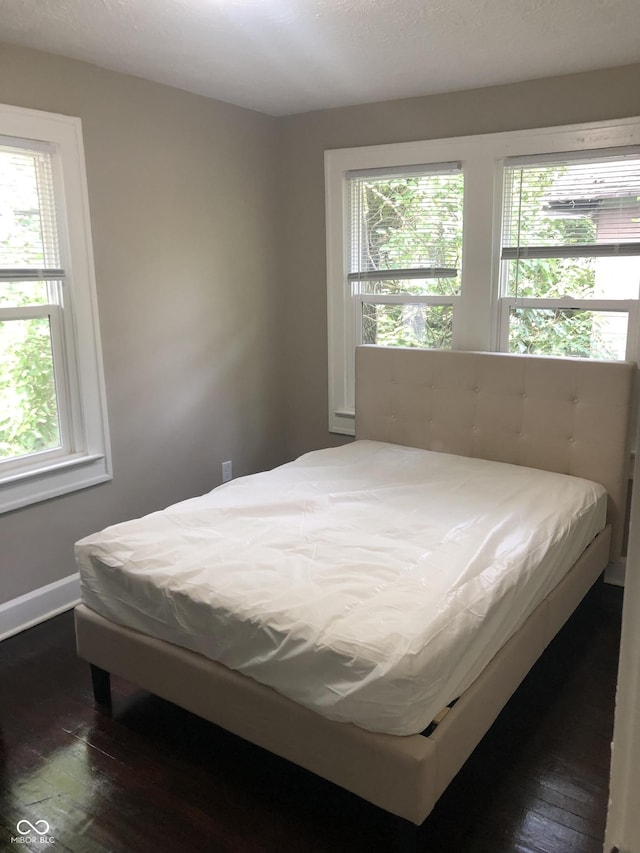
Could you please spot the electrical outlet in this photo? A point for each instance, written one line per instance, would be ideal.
(227, 471)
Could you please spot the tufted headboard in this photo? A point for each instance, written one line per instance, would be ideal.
(560, 414)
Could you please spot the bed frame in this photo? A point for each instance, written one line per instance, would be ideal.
(563, 415)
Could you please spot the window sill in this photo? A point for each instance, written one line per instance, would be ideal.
(342, 422)
(59, 477)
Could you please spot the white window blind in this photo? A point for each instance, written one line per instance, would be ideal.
(405, 224)
(572, 207)
(29, 240)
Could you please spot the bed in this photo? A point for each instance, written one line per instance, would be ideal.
(553, 415)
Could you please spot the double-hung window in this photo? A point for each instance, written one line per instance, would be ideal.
(524, 241)
(405, 252)
(53, 435)
(570, 258)
(401, 280)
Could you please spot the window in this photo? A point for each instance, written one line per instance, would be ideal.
(571, 255)
(525, 242)
(405, 246)
(53, 433)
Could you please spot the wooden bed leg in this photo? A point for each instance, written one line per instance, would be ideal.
(101, 681)
(406, 838)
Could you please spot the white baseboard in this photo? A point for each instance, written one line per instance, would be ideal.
(615, 572)
(37, 606)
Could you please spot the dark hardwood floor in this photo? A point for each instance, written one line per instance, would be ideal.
(152, 777)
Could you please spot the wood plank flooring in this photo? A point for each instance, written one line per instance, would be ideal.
(152, 777)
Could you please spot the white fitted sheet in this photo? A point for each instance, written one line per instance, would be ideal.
(371, 583)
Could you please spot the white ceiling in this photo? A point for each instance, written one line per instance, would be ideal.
(289, 56)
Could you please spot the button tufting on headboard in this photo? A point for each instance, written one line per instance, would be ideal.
(518, 409)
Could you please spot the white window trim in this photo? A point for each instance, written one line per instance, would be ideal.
(89, 461)
(477, 320)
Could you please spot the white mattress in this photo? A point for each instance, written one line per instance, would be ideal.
(370, 582)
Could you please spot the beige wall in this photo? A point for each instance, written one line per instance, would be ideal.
(563, 100)
(182, 193)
